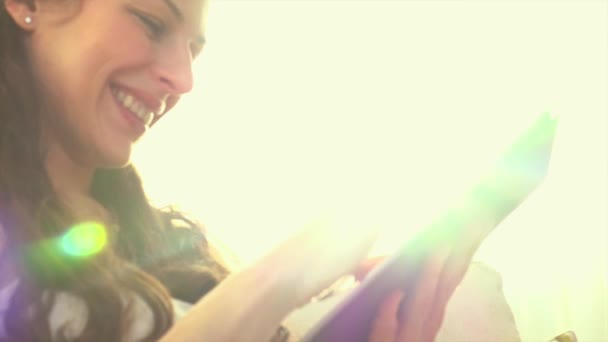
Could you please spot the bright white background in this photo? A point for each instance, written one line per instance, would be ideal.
(391, 108)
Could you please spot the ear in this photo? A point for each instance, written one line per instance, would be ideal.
(23, 13)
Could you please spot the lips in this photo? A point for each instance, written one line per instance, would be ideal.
(133, 105)
(142, 105)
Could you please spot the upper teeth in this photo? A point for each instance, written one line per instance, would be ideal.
(134, 105)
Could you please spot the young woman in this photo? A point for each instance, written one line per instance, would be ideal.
(80, 82)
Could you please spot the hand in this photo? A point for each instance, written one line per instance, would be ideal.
(317, 256)
(367, 266)
(425, 308)
(250, 304)
(422, 312)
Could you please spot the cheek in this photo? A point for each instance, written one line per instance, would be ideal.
(119, 50)
(77, 71)
(133, 46)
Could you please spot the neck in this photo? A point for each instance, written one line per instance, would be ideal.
(68, 177)
(72, 182)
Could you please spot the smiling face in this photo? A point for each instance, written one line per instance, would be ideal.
(109, 68)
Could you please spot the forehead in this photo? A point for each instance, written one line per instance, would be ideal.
(193, 11)
(189, 13)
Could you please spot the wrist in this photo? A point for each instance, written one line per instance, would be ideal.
(247, 306)
(279, 281)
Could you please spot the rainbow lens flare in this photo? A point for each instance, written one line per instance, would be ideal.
(84, 239)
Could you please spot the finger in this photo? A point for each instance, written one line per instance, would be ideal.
(421, 302)
(452, 274)
(386, 323)
(313, 246)
(367, 266)
(433, 325)
(462, 250)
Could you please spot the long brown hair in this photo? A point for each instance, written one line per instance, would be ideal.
(152, 253)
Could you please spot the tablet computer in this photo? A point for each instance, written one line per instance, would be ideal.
(516, 174)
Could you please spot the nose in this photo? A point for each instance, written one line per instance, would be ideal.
(174, 69)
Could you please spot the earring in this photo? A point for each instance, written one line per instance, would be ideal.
(28, 20)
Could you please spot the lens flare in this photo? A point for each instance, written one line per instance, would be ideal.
(84, 239)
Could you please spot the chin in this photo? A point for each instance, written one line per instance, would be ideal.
(116, 163)
(116, 158)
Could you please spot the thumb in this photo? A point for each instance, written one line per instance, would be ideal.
(367, 266)
(331, 248)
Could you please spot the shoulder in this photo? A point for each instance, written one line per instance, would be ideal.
(7, 274)
(6, 293)
(2, 238)
(69, 316)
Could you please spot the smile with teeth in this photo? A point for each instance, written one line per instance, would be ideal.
(134, 106)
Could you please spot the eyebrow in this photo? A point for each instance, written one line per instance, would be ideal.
(174, 9)
(180, 16)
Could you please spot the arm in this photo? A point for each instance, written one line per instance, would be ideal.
(247, 306)
(250, 305)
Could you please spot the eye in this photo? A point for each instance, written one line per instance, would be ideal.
(155, 27)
